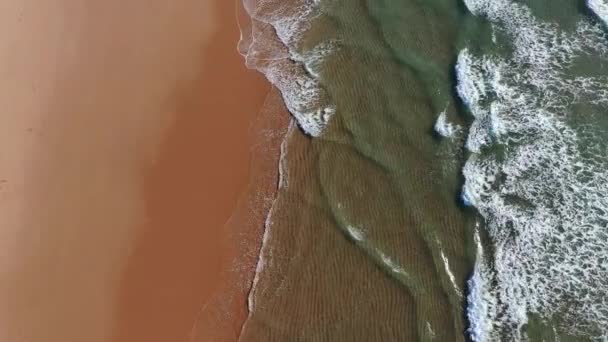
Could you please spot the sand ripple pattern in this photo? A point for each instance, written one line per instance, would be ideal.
(364, 241)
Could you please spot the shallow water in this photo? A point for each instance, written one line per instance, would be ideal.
(365, 241)
(452, 140)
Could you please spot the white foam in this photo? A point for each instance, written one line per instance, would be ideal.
(391, 265)
(600, 8)
(385, 260)
(278, 27)
(481, 304)
(445, 128)
(265, 251)
(446, 265)
(543, 196)
(429, 330)
(355, 233)
(283, 170)
(261, 264)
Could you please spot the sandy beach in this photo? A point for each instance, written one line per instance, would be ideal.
(124, 147)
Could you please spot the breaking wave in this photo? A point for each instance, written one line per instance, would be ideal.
(538, 175)
(445, 128)
(600, 8)
(273, 45)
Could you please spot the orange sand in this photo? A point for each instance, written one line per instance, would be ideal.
(124, 147)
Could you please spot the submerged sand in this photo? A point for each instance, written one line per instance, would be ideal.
(124, 148)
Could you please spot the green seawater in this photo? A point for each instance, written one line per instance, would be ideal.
(369, 242)
(370, 239)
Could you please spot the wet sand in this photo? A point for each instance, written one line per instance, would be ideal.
(176, 270)
(125, 146)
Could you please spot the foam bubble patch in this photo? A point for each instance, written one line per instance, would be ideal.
(274, 49)
(538, 179)
(600, 8)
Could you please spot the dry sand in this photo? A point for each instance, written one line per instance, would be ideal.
(124, 147)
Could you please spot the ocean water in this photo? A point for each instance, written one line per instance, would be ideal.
(537, 172)
(444, 177)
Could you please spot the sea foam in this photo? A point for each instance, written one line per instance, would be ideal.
(274, 48)
(265, 252)
(538, 180)
(445, 128)
(600, 8)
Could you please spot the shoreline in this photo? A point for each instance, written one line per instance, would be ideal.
(262, 193)
(218, 299)
(124, 189)
(260, 263)
(245, 228)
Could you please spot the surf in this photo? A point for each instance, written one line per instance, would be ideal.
(273, 45)
(537, 176)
